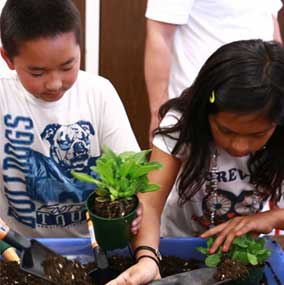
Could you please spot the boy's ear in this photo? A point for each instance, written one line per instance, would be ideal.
(7, 59)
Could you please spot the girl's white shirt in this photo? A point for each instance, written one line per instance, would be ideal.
(235, 192)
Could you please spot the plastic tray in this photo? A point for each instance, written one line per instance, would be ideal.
(80, 248)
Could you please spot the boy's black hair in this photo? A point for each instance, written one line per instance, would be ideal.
(24, 20)
(247, 77)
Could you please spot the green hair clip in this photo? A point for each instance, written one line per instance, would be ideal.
(212, 97)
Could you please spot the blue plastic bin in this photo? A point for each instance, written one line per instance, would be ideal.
(80, 248)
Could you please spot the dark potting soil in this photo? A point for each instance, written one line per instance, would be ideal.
(58, 269)
(230, 269)
(236, 271)
(114, 209)
(68, 272)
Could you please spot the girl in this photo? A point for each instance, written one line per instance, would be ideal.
(222, 143)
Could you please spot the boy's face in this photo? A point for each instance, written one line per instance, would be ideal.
(47, 67)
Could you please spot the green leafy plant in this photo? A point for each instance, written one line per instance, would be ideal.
(244, 249)
(120, 175)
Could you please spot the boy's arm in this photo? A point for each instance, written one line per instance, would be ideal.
(259, 223)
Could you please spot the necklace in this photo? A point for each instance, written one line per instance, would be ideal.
(252, 204)
(213, 185)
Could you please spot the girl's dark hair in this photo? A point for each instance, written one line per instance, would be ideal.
(24, 20)
(247, 77)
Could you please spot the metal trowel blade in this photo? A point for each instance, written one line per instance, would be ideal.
(33, 257)
(201, 276)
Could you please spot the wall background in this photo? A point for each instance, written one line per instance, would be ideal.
(3, 66)
(92, 41)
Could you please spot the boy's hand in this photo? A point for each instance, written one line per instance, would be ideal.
(228, 231)
(136, 224)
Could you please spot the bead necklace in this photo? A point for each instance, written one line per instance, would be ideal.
(213, 185)
(213, 191)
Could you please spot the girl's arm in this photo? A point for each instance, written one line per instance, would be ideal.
(259, 223)
(149, 234)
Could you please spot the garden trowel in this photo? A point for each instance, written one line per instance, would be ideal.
(201, 276)
(33, 253)
(102, 273)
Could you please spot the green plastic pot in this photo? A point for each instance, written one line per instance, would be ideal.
(111, 233)
(254, 277)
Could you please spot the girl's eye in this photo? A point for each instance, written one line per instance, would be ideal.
(225, 131)
(260, 135)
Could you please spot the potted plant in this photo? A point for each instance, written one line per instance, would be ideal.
(112, 206)
(246, 257)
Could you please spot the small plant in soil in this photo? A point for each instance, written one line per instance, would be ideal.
(246, 257)
(120, 178)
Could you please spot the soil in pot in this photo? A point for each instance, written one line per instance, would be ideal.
(114, 209)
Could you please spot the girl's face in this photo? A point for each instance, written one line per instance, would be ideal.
(240, 134)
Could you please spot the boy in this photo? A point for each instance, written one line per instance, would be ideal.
(54, 118)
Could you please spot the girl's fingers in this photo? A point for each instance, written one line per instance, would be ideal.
(226, 235)
(214, 231)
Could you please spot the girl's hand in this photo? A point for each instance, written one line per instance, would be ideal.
(136, 224)
(142, 272)
(226, 232)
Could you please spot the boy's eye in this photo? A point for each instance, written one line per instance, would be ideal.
(37, 74)
(67, 68)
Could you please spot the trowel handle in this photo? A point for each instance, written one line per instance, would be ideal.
(100, 255)
(8, 253)
(91, 231)
(12, 237)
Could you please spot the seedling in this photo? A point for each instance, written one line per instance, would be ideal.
(120, 175)
(244, 249)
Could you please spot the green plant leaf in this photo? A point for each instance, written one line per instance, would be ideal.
(102, 192)
(121, 175)
(263, 257)
(83, 177)
(144, 169)
(141, 157)
(240, 256)
(213, 260)
(203, 250)
(150, 188)
(102, 199)
(252, 259)
(241, 241)
(243, 249)
(210, 241)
